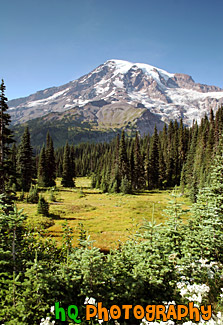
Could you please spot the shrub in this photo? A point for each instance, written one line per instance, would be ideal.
(52, 195)
(43, 207)
(33, 196)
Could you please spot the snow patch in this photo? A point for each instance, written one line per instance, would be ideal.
(46, 101)
(123, 67)
(67, 105)
(118, 83)
(80, 102)
(181, 95)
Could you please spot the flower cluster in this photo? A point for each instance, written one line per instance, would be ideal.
(47, 321)
(194, 292)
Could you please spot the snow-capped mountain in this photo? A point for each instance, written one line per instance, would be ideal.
(120, 92)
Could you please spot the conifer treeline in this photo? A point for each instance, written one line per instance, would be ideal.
(176, 156)
(144, 163)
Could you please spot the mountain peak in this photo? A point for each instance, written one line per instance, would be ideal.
(119, 84)
(124, 66)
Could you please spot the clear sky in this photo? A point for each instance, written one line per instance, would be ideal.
(47, 43)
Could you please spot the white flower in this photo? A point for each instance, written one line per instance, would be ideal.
(203, 262)
(183, 291)
(90, 301)
(218, 314)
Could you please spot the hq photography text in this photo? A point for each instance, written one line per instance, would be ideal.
(150, 312)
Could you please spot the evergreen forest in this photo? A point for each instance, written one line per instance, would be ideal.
(170, 263)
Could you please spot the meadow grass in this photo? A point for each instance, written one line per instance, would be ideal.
(107, 218)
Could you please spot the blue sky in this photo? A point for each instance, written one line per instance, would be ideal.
(48, 43)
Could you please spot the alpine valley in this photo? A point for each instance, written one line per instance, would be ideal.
(116, 95)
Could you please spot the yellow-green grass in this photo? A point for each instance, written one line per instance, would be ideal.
(107, 218)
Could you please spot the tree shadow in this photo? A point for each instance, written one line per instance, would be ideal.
(54, 216)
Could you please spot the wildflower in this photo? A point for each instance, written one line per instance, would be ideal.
(90, 301)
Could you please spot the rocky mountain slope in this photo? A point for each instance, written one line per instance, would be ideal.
(120, 94)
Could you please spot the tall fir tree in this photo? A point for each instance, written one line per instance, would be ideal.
(181, 145)
(72, 162)
(139, 172)
(13, 179)
(206, 228)
(162, 170)
(115, 179)
(154, 161)
(6, 138)
(67, 175)
(42, 168)
(131, 163)
(50, 162)
(25, 163)
(123, 161)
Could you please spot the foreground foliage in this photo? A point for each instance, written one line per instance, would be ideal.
(162, 262)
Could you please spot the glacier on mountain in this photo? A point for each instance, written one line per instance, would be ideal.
(120, 83)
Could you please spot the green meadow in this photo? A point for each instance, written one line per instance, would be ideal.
(107, 218)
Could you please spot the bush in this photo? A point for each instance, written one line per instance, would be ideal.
(43, 207)
(40, 223)
(33, 196)
(52, 195)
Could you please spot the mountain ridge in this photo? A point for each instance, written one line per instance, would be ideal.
(121, 94)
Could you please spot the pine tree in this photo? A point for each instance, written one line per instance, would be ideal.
(206, 229)
(162, 170)
(25, 162)
(13, 179)
(116, 156)
(43, 207)
(123, 161)
(189, 176)
(181, 145)
(131, 163)
(42, 168)
(72, 162)
(67, 176)
(115, 179)
(59, 167)
(5, 141)
(154, 161)
(182, 180)
(172, 232)
(175, 148)
(33, 196)
(50, 162)
(125, 185)
(139, 173)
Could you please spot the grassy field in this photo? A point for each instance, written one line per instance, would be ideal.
(107, 218)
